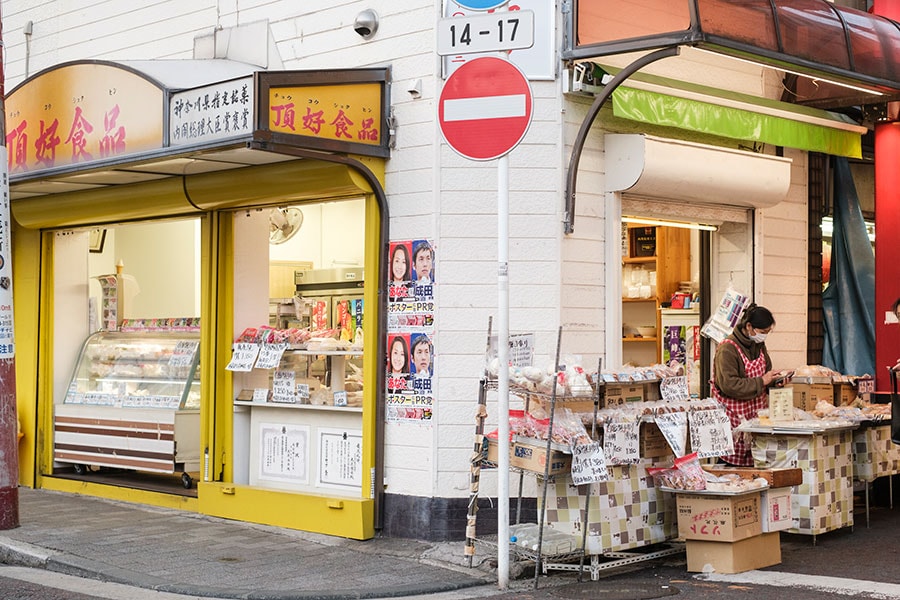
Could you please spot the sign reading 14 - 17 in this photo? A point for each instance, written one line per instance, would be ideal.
(498, 31)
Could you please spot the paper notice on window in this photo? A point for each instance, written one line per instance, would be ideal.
(243, 357)
(710, 433)
(283, 389)
(622, 442)
(183, 355)
(674, 428)
(588, 464)
(781, 404)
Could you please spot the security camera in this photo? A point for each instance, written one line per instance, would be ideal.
(366, 24)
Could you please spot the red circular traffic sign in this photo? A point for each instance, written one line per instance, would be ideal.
(485, 108)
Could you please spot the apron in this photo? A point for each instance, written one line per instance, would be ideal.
(743, 410)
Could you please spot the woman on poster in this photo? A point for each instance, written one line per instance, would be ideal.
(398, 364)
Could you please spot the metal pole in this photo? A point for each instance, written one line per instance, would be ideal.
(503, 372)
(9, 441)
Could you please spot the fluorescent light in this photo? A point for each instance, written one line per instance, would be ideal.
(800, 73)
(661, 223)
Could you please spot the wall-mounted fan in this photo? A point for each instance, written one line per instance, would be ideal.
(283, 224)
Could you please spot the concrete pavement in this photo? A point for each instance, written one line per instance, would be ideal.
(200, 556)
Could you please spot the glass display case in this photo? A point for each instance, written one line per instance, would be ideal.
(137, 370)
(133, 403)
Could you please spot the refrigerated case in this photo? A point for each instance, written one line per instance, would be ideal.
(133, 403)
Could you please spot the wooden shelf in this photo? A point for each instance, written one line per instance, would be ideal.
(639, 260)
(650, 299)
(640, 339)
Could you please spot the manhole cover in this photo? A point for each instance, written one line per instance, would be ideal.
(613, 590)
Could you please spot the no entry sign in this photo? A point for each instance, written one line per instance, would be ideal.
(485, 108)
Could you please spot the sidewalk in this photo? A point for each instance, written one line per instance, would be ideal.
(197, 555)
(187, 553)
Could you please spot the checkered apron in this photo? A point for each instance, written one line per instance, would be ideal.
(743, 410)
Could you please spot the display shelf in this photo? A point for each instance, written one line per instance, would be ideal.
(313, 407)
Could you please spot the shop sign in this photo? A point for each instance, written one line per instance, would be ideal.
(343, 111)
(212, 112)
(80, 113)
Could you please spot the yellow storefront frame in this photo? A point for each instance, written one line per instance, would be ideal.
(342, 516)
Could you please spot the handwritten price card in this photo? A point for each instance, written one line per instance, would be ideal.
(674, 388)
(283, 387)
(710, 433)
(589, 464)
(183, 355)
(781, 404)
(270, 356)
(243, 356)
(622, 442)
(674, 428)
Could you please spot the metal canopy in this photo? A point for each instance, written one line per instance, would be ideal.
(828, 46)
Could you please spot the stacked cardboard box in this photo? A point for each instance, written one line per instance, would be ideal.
(808, 391)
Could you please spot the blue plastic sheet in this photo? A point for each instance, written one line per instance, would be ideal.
(849, 300)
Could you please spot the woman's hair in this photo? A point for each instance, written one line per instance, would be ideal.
(759, 317)
(401, 248)
(402, 342)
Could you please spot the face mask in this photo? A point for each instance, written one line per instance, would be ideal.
(759, 338)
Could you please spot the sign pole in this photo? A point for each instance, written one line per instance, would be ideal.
(503, 371)
(9, 440)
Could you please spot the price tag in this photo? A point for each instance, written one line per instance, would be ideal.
(674, 428)
(781, 404)
(340, 398)
(674, 388)
(303, 391)
(283, 387)
(711, 433)
(261, 395)
(270, 356)
(622, 442)
(243, 356)
(588, 464)
(183, 355)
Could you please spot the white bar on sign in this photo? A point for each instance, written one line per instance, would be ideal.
(486, 107)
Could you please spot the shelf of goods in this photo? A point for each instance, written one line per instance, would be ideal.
(628, 519)
(133, 403)
(655, 265)
(304, 420)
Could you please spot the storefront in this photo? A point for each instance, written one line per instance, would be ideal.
(158, 224)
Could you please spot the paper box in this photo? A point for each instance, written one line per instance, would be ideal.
(532, 457)
(807, 395)
(776, 509)
(653, 443)
(844, 393)
(618, 394)
(721, 518)
(777, 477)
(760, 551)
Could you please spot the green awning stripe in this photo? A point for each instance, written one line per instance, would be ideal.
(735, 123)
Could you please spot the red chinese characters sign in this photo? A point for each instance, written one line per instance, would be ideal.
(340, 111)
(79, 113)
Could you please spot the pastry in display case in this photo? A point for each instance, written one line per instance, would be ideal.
(133, 403)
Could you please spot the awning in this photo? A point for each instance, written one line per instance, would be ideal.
(669, 103)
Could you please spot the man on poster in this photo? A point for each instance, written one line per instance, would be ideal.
(422, 351)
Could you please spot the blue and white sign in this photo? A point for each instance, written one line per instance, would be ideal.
(480, 4)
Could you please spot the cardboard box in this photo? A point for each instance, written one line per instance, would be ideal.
(777, 477)
(776, 509)
(720, 518)
(760, 551)
(530, 457)
(807, 395)
(653, 443)
(618, 394)
(844, 393)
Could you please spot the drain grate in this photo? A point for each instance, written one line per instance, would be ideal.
(618, 590)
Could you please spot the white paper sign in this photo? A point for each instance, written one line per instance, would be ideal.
(303, 390)
(674, 428)
(243, 356)
(183, 355)
(674, 388)
(710, 433)
(781, 404)
(261, 395)
(588, 464)
(622, 442)
(283, 387)
(270, 356)
(340, 398)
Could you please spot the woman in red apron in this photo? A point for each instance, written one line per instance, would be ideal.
(742, 372)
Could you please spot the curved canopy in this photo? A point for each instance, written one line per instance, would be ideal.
(845, 57)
